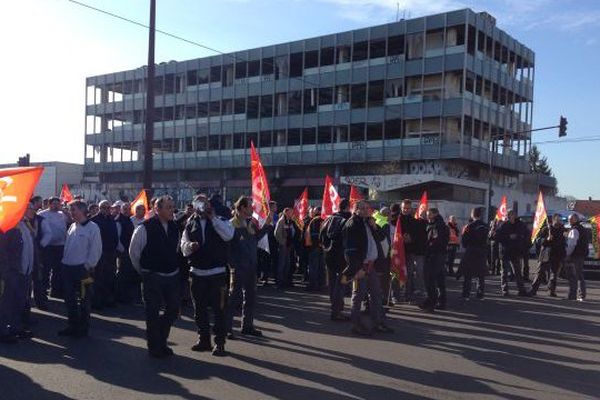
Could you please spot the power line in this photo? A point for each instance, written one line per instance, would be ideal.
(583, 139)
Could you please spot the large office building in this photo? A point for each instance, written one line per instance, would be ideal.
(395, 109)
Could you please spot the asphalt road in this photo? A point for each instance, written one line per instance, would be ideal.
(540, 348)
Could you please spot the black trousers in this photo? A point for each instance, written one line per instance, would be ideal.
(210, 291)
(105, 279)
(158, 291)
(52, 264)
(435, 279)
(552, 266)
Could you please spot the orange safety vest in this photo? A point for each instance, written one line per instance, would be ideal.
(453, 237)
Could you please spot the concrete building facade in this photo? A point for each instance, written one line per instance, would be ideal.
(417, 104)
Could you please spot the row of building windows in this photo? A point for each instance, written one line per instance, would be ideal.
(410, 47)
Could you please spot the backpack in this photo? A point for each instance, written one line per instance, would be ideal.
(331, 232)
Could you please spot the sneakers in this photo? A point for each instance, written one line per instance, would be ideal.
(231, 336)
(427, 307)
(361, 330)
(203, 345)
(252, 332)
(382, 328)
(340, 317)
(219, 350)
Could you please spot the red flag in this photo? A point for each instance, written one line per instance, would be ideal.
(65, 194)
(16, 188)
(260, 187)
(398, 258)
(540, 217)
(331, 199)
(141, 198)
(595, 221)
(423, 204)
(355, 195)
(502, 212)
(301, 208)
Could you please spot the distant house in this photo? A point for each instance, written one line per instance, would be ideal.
(587, 207)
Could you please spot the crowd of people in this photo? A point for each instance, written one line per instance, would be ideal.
(98, 256)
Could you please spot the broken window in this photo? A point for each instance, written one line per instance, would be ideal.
(357, 132)
(360, 51)
(310, 100)
(252, 107)
(393, 88)
(375, 93)
(377, 48)
(266, 106)
(309, 136)
(254, 68)
(295, 102)
(311, 59)
(358, 94)
(293, 137)
(327, 56)
(325, 96)
(324, 135)
(295, 64)
(395, 45)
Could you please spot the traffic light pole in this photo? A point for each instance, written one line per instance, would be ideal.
(149, 120)
(563, 132)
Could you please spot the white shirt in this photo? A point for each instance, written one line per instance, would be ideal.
(83, 245)
(28, 249)
(371, 245)
(223, 228)
(572, 239)
(54, 228)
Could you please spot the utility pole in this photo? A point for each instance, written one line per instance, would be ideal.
(149, 134)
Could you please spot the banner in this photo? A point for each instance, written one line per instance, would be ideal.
(301, 208)
(502, 212)
(423, 205)
(595, 221)
(261, 196)
(65, 194)
(540, 217)
(355, 195)
(141, 198)
(331, 199)
(398, 257)
(16, 188)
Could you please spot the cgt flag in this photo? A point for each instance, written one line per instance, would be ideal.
(16, 187)
(355, 195)
(423, 204)
(65, 194)
(301, 208)
(331, 199)
(502, 212)
(595, 221)
(398, 257)
(141, 198)
(540, 217)
(261, 196)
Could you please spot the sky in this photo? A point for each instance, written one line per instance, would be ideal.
(49, 47)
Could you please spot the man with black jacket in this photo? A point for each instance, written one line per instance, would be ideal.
(578, 240)
(205, 245)
(474, 240)
(128, 280)
(153, 252)
(552, 254)
(362, 249)
(313, 246)
(105, 271)
(331, 239)
(415, 237)
(435, 259)
(513, 237)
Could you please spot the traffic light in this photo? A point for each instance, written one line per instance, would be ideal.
(562, 127)
(23, 161)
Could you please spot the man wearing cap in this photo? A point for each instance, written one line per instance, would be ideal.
(105, 272)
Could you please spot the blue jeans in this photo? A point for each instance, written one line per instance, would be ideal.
(77, 301)
(369, 285)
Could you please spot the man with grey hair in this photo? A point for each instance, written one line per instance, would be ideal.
(578, 240)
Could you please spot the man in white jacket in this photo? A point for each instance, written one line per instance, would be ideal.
(83, 249)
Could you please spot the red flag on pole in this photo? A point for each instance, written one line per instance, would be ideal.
(260, 187)
(502, 212)
(65, 194)
(398, 257)
(540, 217)
(301, 208)
(595, 221)
(16, 187)
(331, 199)
(141, 198)
(355, 195)
(423, 204)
